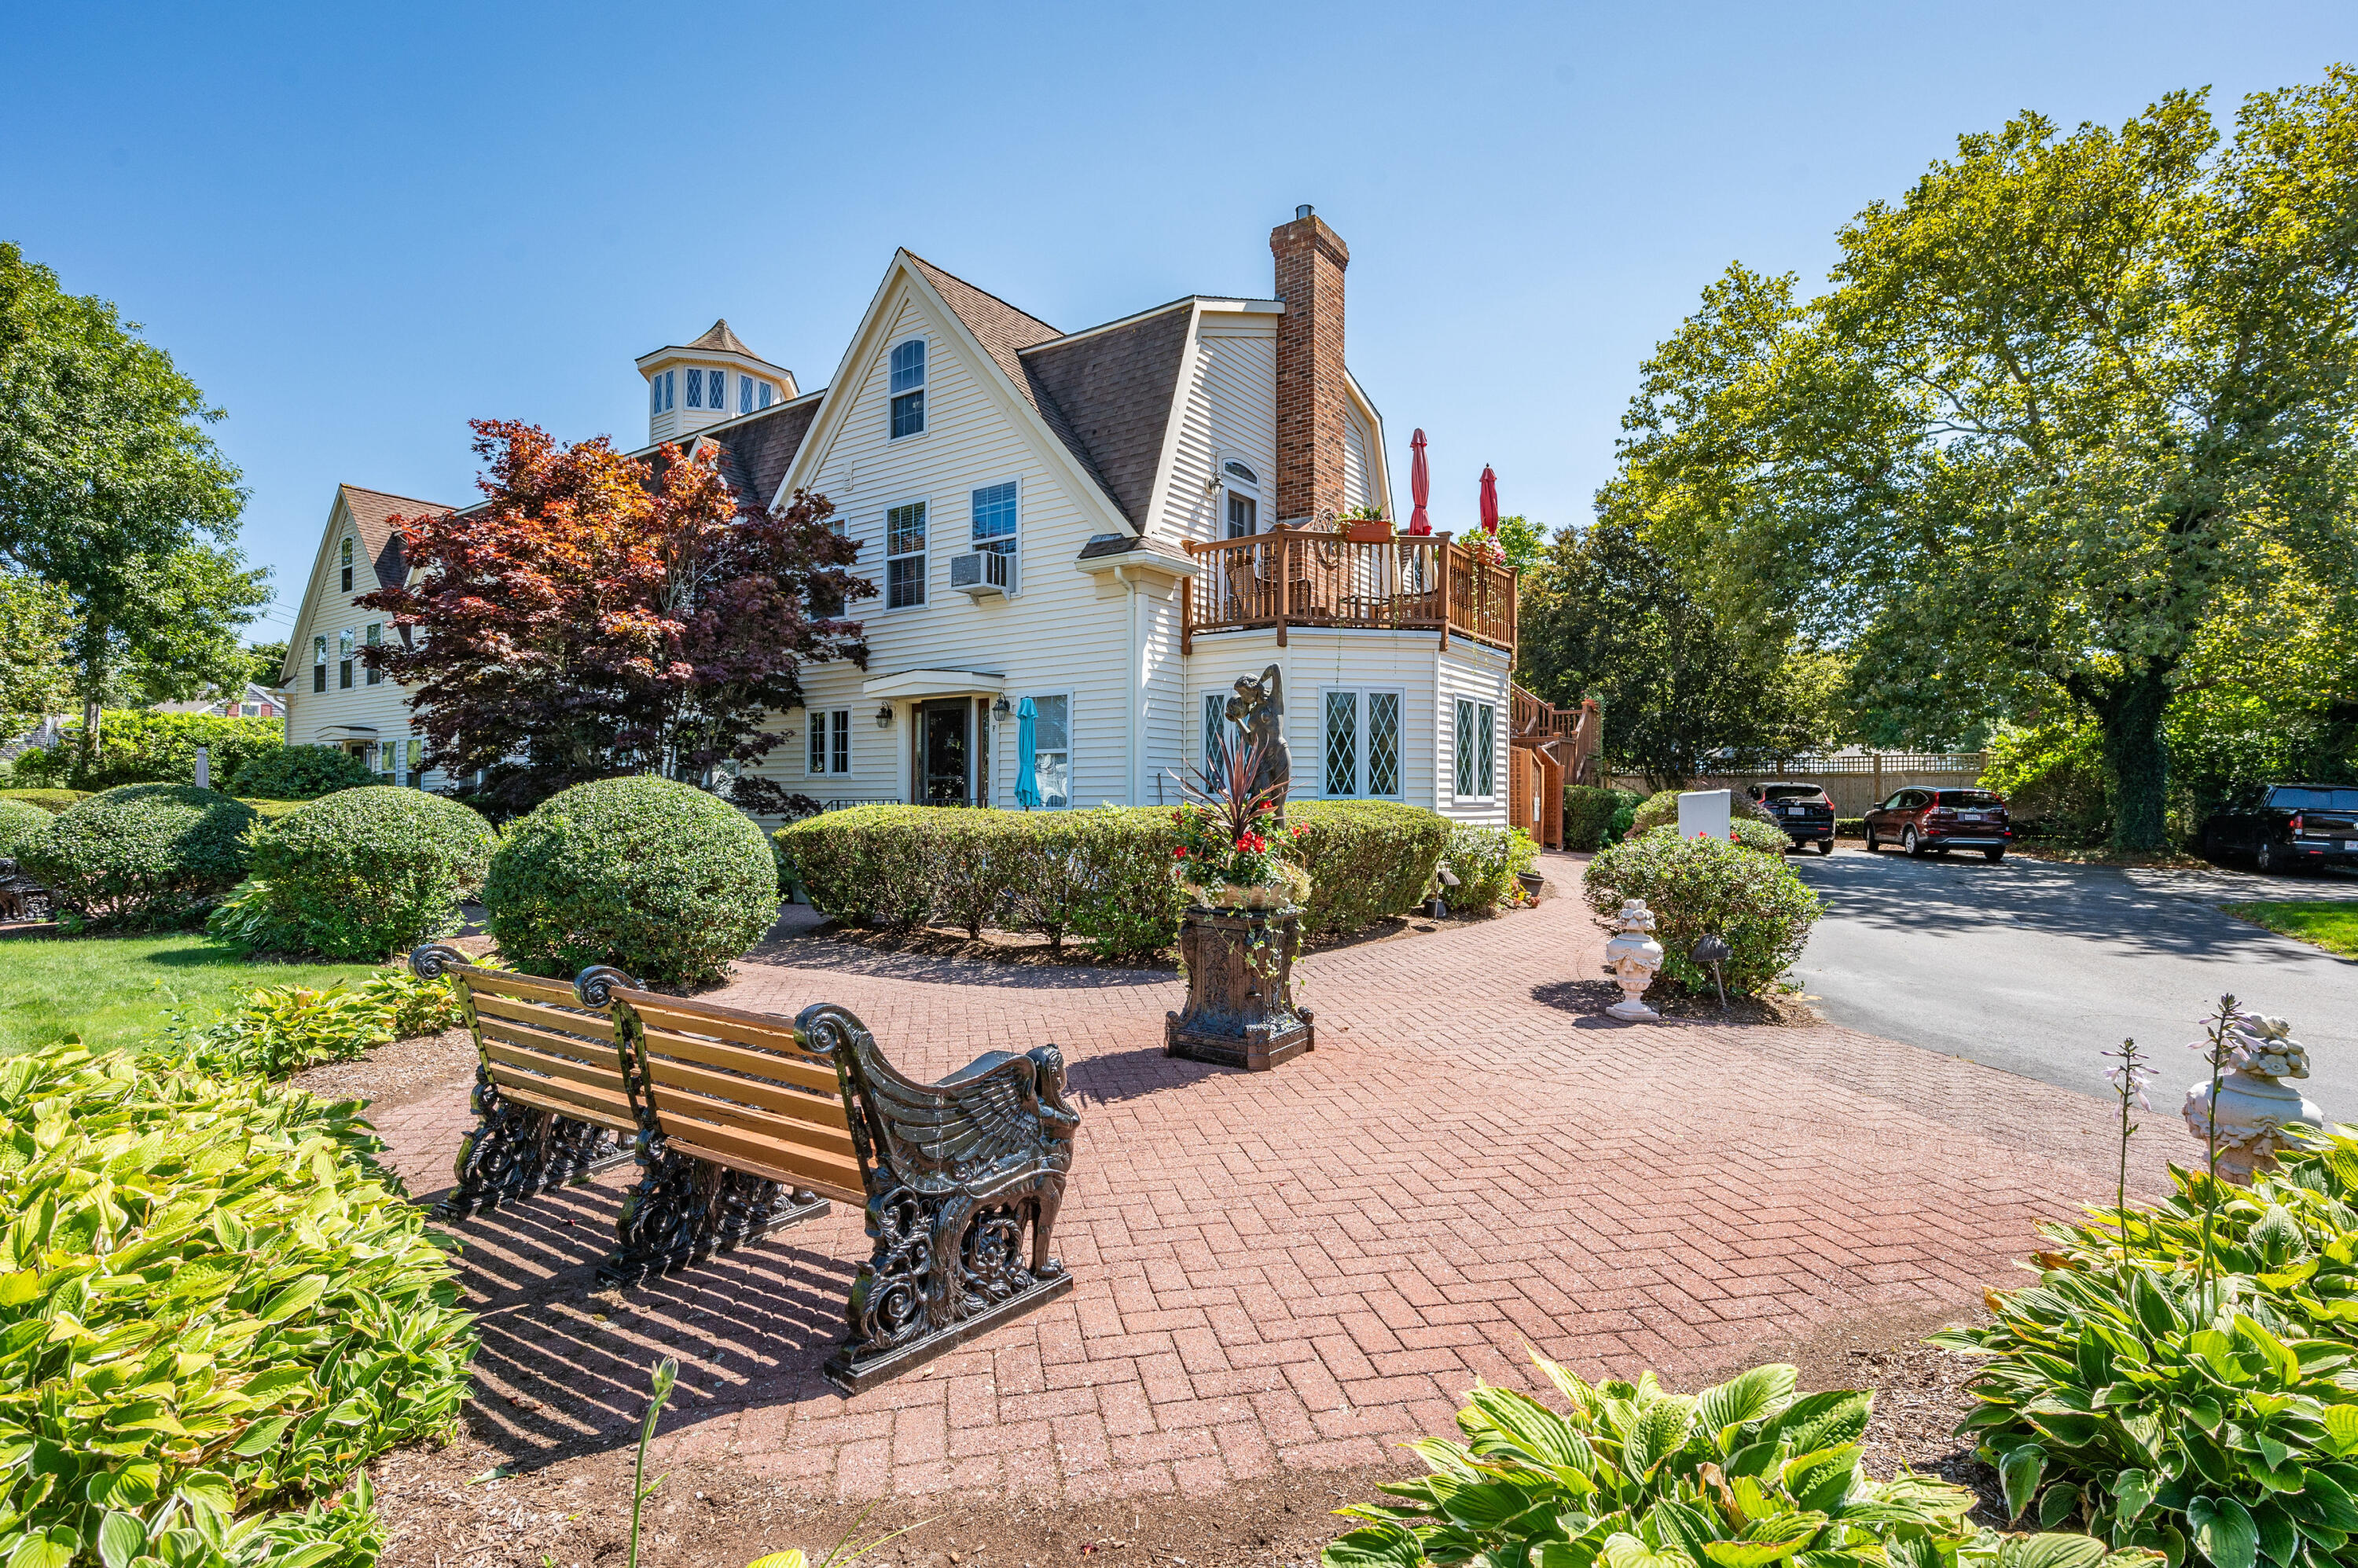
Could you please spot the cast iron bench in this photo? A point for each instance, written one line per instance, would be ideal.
(746, 1123)
(551, 1104)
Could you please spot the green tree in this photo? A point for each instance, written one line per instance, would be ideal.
(2061, 399)
(34, 620)
(1607, 615)
(112, 490)
(1524, 541)
(264, 662)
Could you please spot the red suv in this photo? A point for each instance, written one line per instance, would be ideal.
(1935, 821)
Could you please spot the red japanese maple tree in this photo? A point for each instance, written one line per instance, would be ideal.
(603, 614)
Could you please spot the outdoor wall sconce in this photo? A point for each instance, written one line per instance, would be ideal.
(884, 716)
(1001, 709)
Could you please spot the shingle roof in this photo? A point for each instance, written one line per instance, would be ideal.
(373, 513)
(721, 336)
(1116, 389)
(757, 451)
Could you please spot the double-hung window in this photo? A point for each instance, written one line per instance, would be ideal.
(416, 779)
(318, 663)
(994, 518)
(344, 559)
(376, 637)
(345, 659)
(909, 388)
(905, 555)
(830, 741)
(1362, 743)
(1477, 748)
(1052, 750)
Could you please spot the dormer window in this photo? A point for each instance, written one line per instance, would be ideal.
(909, 388)
(344, 559)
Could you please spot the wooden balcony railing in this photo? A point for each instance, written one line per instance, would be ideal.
(1573, 736)
(1291, 576)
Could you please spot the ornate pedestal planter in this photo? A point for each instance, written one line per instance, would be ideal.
(1634, 958)
(1241, 1011)
(2254, 1108)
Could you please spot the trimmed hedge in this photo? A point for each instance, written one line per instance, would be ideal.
(300, 773)
(1708, 887)
(655, 877)
(1102, 875)
(135, 746)
(215, 1302)
(367, 872)
(1588, 813)
(22, 823)
(143, 854)
(49, 800)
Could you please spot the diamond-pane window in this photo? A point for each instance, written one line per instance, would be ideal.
(1342, 742)
(1383, 742)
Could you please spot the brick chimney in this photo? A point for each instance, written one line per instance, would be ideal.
(1311, 396)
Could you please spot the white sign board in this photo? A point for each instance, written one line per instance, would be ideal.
(1702, 814)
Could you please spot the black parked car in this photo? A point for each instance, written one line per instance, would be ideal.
(1804, 811)
(2300, 825)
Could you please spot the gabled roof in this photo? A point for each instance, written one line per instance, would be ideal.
(373, 513)
(1116, 388)
(756, 449)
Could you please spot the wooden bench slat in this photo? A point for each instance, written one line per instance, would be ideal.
(819, 1110)
(761, 1031)
(504, 1055)
(806, 1072)
(813, 1133)
(808, 1165)
(569, 1020)
(768, 1173)
(589, 1052)
(548, 1094)
(530, 987)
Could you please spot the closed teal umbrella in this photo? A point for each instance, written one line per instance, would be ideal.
(1027, 754)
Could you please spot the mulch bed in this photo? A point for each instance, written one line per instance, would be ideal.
(455, 1505)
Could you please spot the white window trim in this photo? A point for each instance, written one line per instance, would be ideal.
(884, 546)
(819, 719)
(924, 384)
(1399, 742)
(1231, 486)
(1478, 704)
(1014, 555)
(1071, 747)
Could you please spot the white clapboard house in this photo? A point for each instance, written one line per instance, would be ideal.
(1091, 534)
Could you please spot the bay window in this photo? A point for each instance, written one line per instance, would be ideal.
(1361, 753)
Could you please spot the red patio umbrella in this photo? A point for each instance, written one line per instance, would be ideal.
(1489, 500)
(1419, 485)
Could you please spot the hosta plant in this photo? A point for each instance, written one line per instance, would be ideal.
(1745, 1474)
(215, 1307)
(2218, 1419)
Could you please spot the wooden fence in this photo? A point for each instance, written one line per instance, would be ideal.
(1853, 782)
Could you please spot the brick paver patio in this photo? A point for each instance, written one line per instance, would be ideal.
(1302, 1267)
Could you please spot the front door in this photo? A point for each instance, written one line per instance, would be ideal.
(943, 754)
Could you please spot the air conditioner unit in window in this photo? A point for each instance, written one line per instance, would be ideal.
(980, 572)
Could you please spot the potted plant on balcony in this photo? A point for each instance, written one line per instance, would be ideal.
(1242, 924)
(1365, 525)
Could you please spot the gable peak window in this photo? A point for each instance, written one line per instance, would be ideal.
(905, 555)
(909, 388)
(344, 560)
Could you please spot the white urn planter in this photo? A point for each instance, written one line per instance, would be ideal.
(2254, 1106)
(1635, 959)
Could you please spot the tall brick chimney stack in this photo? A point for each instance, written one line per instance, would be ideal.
(1310, 396)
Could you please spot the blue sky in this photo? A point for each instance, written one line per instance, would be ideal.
(358, 227)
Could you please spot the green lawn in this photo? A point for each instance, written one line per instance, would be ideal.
(115, 990)
(2332, 927)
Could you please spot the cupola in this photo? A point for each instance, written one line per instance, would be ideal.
(717, 377)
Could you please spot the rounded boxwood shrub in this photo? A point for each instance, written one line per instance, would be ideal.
(1709, 887)
(143, 854)
(299, 773)
(1367, 858)
(21, 822)
(1589, 812)
(367, 872)
(655, 877)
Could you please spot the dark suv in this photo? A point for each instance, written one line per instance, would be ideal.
(2300, 824)
(1804, 811)
(1935, 821)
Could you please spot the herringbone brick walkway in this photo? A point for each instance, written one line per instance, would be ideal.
(1302, 1267)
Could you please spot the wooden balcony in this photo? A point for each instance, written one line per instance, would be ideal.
(1293, 576)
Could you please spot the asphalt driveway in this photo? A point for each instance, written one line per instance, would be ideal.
(2035, 966)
